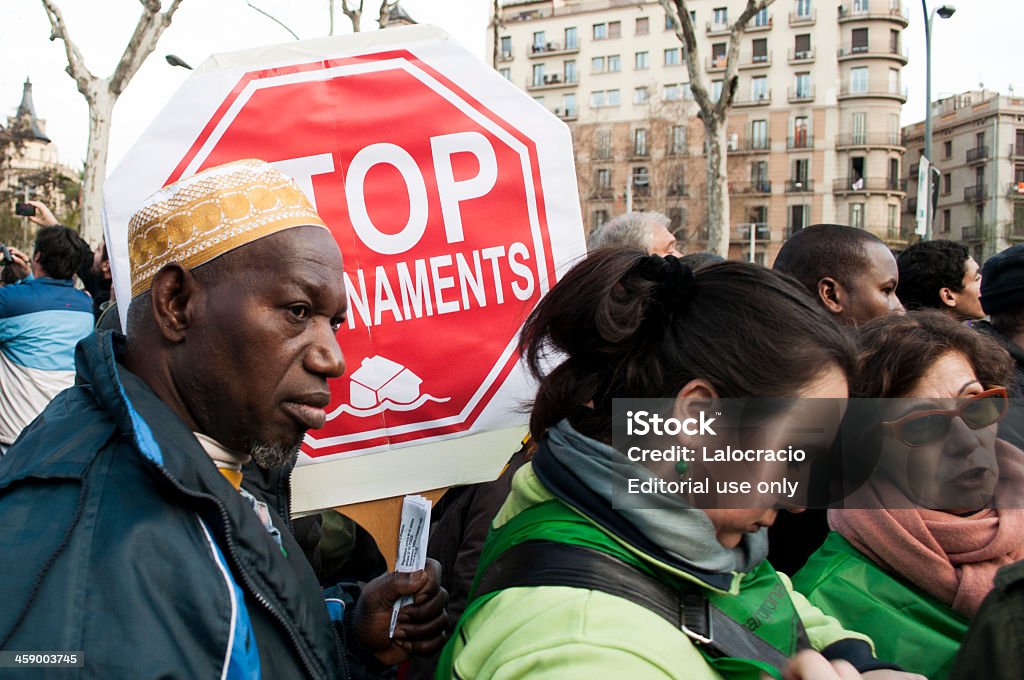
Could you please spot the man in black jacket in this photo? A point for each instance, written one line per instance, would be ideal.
(126, 533)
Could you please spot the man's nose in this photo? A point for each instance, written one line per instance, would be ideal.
(324, 356)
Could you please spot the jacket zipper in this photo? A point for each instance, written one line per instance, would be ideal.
(245, 576)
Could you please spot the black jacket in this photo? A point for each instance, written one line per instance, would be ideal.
(119, 538)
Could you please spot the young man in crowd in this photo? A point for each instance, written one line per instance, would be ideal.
(940, 275)
(126, 529)
(42, 318)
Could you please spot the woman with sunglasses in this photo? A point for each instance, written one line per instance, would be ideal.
(916, 548)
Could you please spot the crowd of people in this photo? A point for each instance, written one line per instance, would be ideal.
(144, 482)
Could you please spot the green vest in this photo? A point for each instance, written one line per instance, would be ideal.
(763, 604)
(909, 627)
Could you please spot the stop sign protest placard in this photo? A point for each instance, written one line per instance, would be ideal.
(452, 196)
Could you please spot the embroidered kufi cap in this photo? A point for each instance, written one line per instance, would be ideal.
(211, 213)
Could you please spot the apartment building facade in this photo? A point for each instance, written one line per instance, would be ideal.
(978, 148)
(813, 135)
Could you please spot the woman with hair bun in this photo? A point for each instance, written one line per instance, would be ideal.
(571, 584)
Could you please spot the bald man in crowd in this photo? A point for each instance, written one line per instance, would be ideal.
(644, 231)
(126, 531)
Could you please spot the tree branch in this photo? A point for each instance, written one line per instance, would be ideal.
(273, 18)
(354, 14)
(683, 25)
(142, 43)
(76, 64)
(733, 55)
(382, 14)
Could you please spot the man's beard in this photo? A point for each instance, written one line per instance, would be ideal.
(272, 456)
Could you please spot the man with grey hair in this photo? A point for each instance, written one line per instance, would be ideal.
(645, 231)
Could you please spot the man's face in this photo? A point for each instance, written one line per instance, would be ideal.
(662, 241)
(262, 345)
(871, 293)
(968, 300)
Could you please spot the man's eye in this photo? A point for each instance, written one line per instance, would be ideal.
(336, 323)
(299, 311)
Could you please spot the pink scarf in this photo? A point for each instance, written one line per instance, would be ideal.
(953, 558)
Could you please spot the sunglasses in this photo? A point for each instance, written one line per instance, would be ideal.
(925, 427)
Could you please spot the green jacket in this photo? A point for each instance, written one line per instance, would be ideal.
(559, 632)
(909, 626)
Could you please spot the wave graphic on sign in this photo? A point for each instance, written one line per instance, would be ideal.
(380, 384)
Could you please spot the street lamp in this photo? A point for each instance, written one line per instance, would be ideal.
(944, 11)
(175, 60)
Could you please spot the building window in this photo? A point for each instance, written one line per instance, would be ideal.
(801, 133)
(673, 92)
(539, 41)
(569, 105)
(893, 221)
(860, 6)
(803, 85)
(859, 41)
(603, 178)
(670, 23)
(506, 73)
(760, 50)
(801, 172)
(641, 60)
(859, 79)
(641, 181)
(572, 38)
(640, 95)
(894, 41)
(687, 91)
(614, 29)
(672, 56)
(947, 183)
(759, 88)
(947, 149)
(600, 31)
(802, 46)
(538, 75)
(857, 215)
(803, 8)
(761, 18)
(947, 220)
(716, 90)
(894, 81)
(640, 142)
(603, 144)
(613, 97)
(759, 134)
(597, 65)
(798, 218)
(506, 46)
(614, 63)
(718, 55)
(597, 99)
(600, 217)
(643, 26)
(759, 177)
(720, 16)
(677, 140)
(859, 123)
(569, 71)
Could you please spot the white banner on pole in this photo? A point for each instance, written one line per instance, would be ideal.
(923, 196)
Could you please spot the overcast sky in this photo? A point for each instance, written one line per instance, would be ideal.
(977, 45)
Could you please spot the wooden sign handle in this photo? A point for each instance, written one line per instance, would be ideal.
(381, 519)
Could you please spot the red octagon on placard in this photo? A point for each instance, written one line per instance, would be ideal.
(402, 160)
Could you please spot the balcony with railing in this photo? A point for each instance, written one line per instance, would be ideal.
(975, 193)
(742, 232)
(859, 10)
(803, 19)
(887, 91)
(847, 185)
(757, 61)
(759, 99)
(754, 25)
(505, 55)
(801, 141)
(552, 49)
(568, 114)
(602, 193)
(869, 139)
(550, 81)
(801, 57)
(760, 187)
(799, 186)
(973, 232)
(751, 145)
(851, 51)
(715, 63)
(717, 27)
(977, 154)
(801, 94)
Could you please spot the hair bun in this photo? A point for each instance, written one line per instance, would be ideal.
(674, 280)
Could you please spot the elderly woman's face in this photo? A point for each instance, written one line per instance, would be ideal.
(958, 471)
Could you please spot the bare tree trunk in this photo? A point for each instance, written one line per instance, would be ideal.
(353, 12)
(101, 94)
(714, 114)
(330, 14)
(496, 24)
(382, 14)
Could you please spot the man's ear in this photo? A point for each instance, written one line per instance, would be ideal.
(695, 396)
(831, 294)
(948, 297)
(173, 297)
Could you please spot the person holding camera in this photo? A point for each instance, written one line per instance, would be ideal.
(42, 318)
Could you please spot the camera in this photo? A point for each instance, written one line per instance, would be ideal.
(24, 209)
(5, 256)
